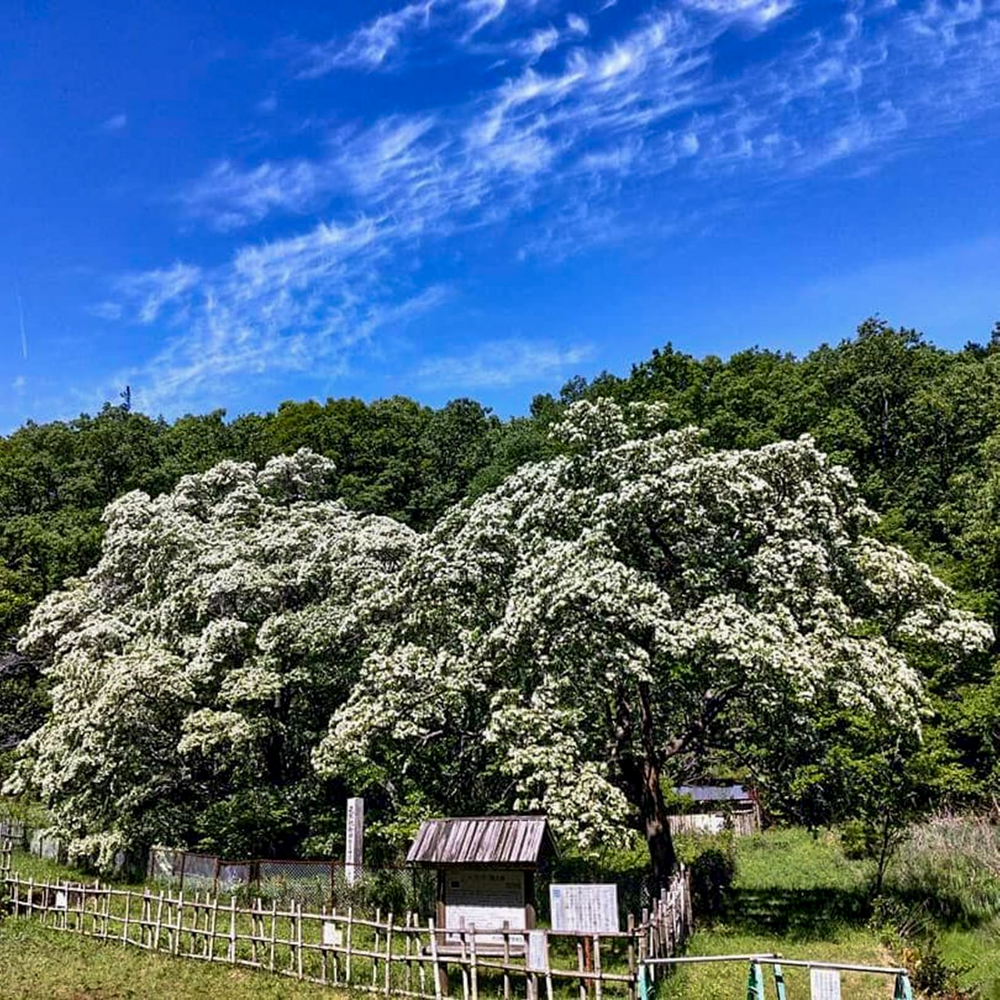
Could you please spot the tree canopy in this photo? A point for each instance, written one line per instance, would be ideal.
(915, 425)
(593, 626)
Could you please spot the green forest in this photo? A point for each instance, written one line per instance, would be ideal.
(917, 426)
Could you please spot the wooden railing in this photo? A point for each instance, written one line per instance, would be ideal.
(381, 954)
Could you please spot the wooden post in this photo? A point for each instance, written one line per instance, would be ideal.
(180, 922)
(388, 956)
(350, 945)
(212, 928)
(156, 929)
(297, 909)
(630, 927)
(440, 975)
(474, 971)
(463, 967)
(581, 967)
(378, 917)
(408, 945)
(274, 931)
(322, 939)
(506, 960)
(597, 966)
(231, 955)
(257, 931)
(548, 969)
(421, 971)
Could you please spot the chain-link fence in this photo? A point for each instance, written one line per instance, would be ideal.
(313, 883)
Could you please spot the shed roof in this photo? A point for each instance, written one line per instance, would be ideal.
(503, 841)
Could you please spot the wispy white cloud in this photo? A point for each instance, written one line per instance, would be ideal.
(107, 310)
(501, 363)
(306, 304)
(154, 290)
(19, 384)
(115, 123)
(370, 46)
(760, 11)
(231, 197)
(585, 139)
(388, 40)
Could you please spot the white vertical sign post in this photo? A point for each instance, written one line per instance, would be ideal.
(824, 984)
(354, 855)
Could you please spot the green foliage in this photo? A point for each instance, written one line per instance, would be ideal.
(916, 425)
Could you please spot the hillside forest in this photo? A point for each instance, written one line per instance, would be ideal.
(767, 568)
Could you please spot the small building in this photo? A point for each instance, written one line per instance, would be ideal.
(715, 807)
(486, 867)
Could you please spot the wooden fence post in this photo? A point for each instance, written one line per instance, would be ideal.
(439, 973)
(388, 955)
(231, 953)
(297, 909)
(474, 970)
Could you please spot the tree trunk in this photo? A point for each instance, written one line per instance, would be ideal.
(652, 808)
(657, 827)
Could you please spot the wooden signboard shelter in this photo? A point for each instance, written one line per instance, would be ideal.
(486, 868)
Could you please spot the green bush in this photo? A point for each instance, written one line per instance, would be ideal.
(711, 859)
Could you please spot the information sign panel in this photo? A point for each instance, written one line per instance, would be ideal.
(589, 909)
(333, 936)
(538, 952)
(485, 900)
(824, 984)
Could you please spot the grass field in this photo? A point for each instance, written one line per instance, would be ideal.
(794, 894)
(799, 896)
(37, 963)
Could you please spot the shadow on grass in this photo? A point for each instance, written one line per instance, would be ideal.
(802, 913)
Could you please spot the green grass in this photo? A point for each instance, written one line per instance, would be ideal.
(799, 896)
(37, 962)
(794, 894)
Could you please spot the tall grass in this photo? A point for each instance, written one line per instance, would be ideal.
(948, 871)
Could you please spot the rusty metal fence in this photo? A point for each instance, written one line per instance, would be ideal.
(309, 883)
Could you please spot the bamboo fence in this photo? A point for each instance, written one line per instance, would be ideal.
(390, 954)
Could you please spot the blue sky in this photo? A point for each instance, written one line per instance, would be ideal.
(231, 204)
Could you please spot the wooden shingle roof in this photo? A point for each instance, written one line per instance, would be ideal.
(501, 841)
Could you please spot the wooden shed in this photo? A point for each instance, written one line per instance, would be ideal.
(486, 867)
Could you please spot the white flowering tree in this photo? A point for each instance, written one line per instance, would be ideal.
(601, 621)
(200, 660)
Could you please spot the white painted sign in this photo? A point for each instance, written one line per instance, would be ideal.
(333, 936)
(538, 951)
(354, 855)
(589, 909)
(61, 901)
(824, 984)
(485, 900)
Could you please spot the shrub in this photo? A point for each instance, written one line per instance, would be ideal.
(711, 859)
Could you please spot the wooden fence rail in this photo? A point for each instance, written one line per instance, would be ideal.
(387, 953)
